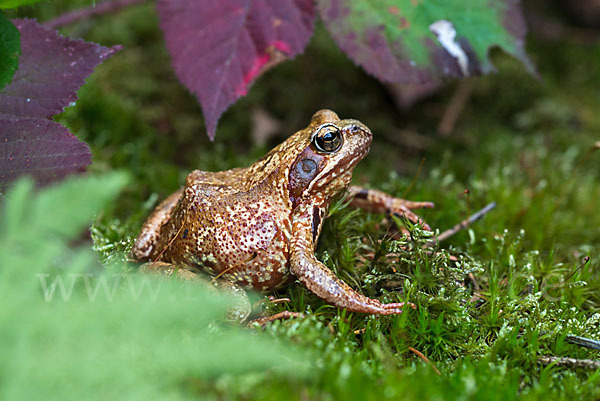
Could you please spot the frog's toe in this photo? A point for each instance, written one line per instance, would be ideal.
(417, 205)
(398, 305)
(413, 217)
(262, 321)
(395, 308)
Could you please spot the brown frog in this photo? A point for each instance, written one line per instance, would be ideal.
(258, 226)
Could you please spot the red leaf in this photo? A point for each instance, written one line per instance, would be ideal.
(51, 70)
(220, 47)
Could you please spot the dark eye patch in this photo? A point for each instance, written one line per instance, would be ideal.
(305, 168)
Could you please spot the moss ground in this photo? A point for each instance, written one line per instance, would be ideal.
(489, 302)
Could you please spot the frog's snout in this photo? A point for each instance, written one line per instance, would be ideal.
(361, 133)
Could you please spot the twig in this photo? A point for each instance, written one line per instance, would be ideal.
(169, 244)
(408, 138)
(88, 12)
(465, 223)
(583, 342)
(271, 299)
(423, 357)
(412, 183)
(585, 262)
(551, 29)
(569, 362)
(455, 107)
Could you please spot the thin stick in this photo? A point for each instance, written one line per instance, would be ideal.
(455, 107)
(170, 242)
(230, 268)
(412, 183)
(465, 223)
(423, 357)
(550, 29)
(583, 342)
(88, 12)
(585, 262)
(569, 362)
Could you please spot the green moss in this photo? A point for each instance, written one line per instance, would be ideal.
(489, 301)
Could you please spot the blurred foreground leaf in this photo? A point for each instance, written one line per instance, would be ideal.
(68, 334)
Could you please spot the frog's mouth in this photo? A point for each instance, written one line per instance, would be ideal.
(351, 159)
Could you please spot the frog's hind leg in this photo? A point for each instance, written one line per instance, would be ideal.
(240, 308)
(146, 241)
(376, 201)
(240, 304)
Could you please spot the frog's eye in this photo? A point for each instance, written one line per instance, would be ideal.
(328, 138)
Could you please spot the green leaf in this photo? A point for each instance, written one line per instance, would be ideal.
(61, 209)
(36, 226)
(16, 3)
(413, 41)
(10, 50)
(107, 335)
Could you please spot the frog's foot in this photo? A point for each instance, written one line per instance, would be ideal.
(262, 321)
(323, 283)
(379, 202)
(240, 306)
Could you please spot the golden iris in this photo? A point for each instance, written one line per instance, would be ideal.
(328, 138)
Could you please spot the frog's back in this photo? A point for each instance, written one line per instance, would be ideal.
(226, 227)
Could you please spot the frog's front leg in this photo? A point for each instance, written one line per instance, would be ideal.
(377, 201)
(318, 278)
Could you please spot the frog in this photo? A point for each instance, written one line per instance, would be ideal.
(257, 227)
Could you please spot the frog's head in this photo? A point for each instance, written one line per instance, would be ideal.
(331, 149)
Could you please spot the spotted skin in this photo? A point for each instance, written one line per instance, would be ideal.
(257, 227)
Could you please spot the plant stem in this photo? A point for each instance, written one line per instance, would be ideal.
(88, 12)
(455, 107)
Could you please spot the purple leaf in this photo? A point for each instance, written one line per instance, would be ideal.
(220, 47)
(41, 148)
(51, 70)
